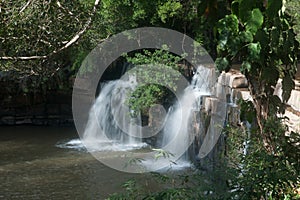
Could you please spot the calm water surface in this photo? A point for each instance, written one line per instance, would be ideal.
(32, 167)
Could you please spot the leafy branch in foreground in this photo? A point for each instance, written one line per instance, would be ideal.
(261, 37)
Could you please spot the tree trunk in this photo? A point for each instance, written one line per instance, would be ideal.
(261, 107)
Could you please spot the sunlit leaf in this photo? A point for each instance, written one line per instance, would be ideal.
(255, 21)
(246, 66)
(222, 64)
(246, 36)
(254, 51)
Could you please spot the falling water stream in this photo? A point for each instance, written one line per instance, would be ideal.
(104, 133)
(176, 137)
(32, 167)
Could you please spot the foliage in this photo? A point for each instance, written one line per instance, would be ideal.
(37, 28)
(156, 83)
(30, 29)
(293, 8)
(133, 191)
(263, 175)
(260, 35)
(181, 186)
(246, 171)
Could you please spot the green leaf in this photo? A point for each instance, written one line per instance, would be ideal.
(273, 8)
(287, 86)
(234, 45)
(228, 28)
(246, 66)
(222, 64)
(275, 100)
(25, 90)
(245, 7)
(255, 21)
(168, 10)
(270, 74)
(275, 36)
(229, 24)
(235, 7)
(254, 51)
(246, 36)
(262, 36)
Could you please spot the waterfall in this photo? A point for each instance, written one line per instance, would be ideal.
(178, 125)
(108, 127)
(112, 127)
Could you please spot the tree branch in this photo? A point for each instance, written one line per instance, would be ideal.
(67, 45)
(23, 57)
(25, 6)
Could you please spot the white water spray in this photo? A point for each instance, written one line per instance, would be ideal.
(176, 137)
(103, 131)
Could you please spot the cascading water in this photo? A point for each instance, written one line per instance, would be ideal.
(176, 132)
(106, 129)
(112, 127)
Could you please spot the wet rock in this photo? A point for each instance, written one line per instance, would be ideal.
(53, 109)
(38, 110)
(7, 111)
(8, 120)
(39, 120)
(66, 109)
(21, 100)
(59, 98)
(238, 81)
(294, 100)
(23, 120)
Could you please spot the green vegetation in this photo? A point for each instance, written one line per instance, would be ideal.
(158, 84)
(49, 38)
(293, 8)
(42, 45)
(261, 37)
(254, 174)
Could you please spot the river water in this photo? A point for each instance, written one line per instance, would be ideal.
(33, 167)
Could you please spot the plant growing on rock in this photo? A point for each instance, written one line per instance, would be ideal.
(148, 94)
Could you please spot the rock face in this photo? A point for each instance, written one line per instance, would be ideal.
(215, 111)
(230, 88)
(293, 110)
(54, 108)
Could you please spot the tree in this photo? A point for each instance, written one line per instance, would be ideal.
(45, 38)
(36, 41)
(38, 29)
(260, 35)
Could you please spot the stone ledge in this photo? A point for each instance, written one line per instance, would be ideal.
(293, 122)
(297, 85)
(37, 120)
(294, 100)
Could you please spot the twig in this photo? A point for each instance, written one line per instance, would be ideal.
(68, 44)
(26, 5)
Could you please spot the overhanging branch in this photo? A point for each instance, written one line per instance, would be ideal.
(68, 44)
